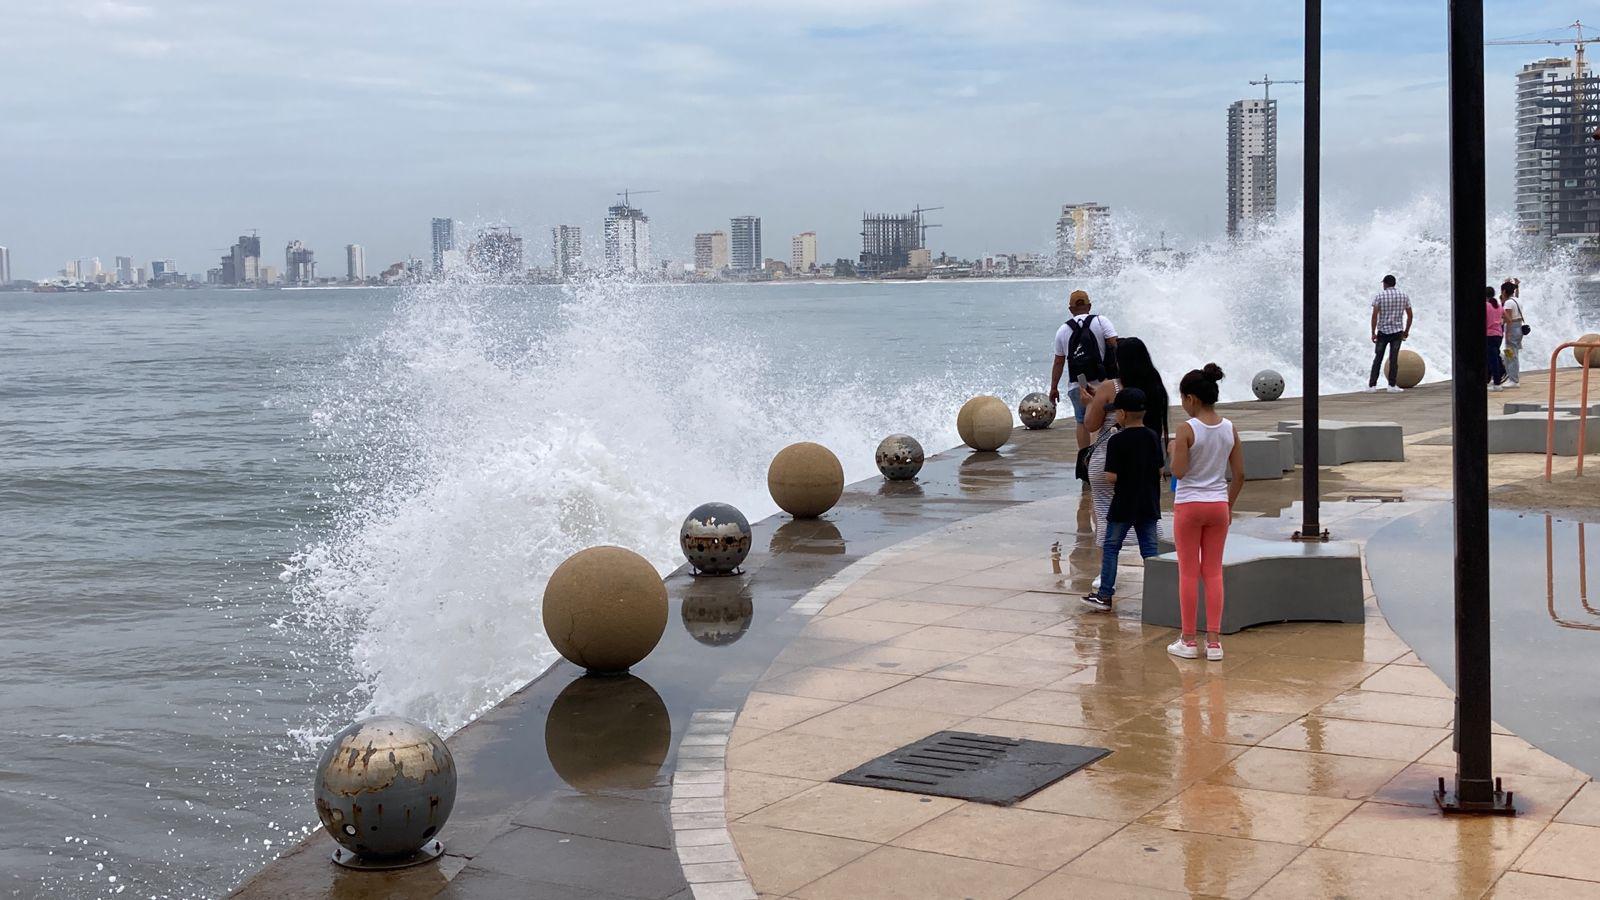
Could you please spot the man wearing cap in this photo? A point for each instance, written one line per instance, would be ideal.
(1085, 361)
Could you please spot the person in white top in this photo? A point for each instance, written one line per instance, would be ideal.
(1208, 462)
(1516, 327)
(1085, 362)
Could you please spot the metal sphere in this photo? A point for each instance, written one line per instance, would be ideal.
(899, 457)
(718, 621)
(1268, 385)
(1036, 411)
(384, 788)
(715, 538)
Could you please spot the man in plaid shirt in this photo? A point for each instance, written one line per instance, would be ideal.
(1391, 324)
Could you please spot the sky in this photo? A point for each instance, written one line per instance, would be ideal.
(166, 128)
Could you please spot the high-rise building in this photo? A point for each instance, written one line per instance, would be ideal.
(627, 239)
(710, 251)
(242, 265)
(744, 243)
(803, 251)
(299, 264)
(1252, 165)
(1081, 233)
(887, 242)
(5, 265)
(444, 239)
(566, 245)
(160, 267)
(266, 275)
(355, 262)
(1557, 161)
(125, 270)
(497, 252)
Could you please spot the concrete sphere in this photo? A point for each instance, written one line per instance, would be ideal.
(715, 538)
(984, 423)
(605, 608)
(1267, 385)
(899, 457)
(385, 786)
(718, 621)
(1587, 358)
(1036, 411)
(805, 480)
(1410, 370)
(608, 733)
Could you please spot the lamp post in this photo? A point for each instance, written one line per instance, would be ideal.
(1476, 790)
(1310, 323)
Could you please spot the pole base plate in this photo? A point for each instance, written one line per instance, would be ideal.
(1452, 805)
(1319, 537)
(429, 852)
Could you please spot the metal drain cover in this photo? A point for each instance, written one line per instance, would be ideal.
(978, 767)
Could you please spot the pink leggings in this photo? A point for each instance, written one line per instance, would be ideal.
(1200, 530)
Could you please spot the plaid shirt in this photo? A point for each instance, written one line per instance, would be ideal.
(1391, 304)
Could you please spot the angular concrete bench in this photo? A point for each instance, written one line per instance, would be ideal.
(1522, 406)
(1525, 432)
(1265, 582)
(1266, 454)
(1348, 442)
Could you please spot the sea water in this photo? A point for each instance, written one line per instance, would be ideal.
(231, 521)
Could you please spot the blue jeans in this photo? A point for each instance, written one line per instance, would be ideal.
(1079, 405)
(1116, 533)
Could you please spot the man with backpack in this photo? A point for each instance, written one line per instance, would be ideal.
(1086, 350)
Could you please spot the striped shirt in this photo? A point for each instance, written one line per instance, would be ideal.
(1391, 304)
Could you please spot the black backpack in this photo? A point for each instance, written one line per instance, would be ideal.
(1083, 351)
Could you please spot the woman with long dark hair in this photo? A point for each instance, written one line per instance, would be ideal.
(1495, 332)
(1135, 369)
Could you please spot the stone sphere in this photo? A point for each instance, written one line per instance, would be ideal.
(899, 457)
(1588, 358)
(715, 538)
(718, 621)
(605, 608)
(608, 733)
(385, 786)
(1268, 385)
(1410, 370)
(984, 423)
(1036, 411)
(805, 480)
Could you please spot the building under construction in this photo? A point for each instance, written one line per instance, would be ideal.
(887, 241)
(1558, 161)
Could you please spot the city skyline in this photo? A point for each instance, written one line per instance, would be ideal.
(395, 112)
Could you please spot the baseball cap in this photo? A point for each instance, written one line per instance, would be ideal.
(1079, 296)
(1130, 400)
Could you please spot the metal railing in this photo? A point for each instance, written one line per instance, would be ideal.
(1585, 360)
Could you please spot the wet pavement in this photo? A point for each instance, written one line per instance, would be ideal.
(1299, 766)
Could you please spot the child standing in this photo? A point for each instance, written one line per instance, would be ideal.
(1205, 452)
(1133, 464)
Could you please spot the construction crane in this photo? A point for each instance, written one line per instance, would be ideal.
(922, 230)
(1267, 81)
(1578, 42)
(625, 194)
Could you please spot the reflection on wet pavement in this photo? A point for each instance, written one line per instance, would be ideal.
(608, 732)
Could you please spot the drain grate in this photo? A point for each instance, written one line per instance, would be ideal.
(978, 767)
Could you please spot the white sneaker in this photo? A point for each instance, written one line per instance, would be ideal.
(1214, 651)
(1512, 385)
(1184, 649)
(1371, 390)
(1395, 389)
(1495, 388)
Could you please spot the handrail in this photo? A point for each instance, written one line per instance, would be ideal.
(1583, 406)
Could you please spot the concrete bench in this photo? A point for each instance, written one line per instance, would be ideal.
(1266, 454)
(1522, 406)
(1266, 582)
(1525, 432)
(1348, 442)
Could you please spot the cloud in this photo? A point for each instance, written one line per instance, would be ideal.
(114, 11)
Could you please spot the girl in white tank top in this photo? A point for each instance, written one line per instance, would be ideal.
(1209, 464)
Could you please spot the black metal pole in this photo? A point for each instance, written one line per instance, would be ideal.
(1475, 789)
(1311, 330)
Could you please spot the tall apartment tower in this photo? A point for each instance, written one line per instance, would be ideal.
(744, 243)
(1252, 165)
(125, 270)
(710, 251)
(627, 239)
(566, 245)
(355, 262)
(1081, 233)
(444, 240)
(5, 265)
(1557, 161)
(299, 264)
(887, 242)
(242, 265)
(803, 251)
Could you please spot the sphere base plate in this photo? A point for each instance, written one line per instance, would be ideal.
(430, 851)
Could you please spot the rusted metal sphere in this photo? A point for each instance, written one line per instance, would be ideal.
(384, 788)
(899, 457)
(715, 539)
(1036, 411)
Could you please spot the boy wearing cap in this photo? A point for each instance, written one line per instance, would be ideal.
(1134, 459)
(1072, 339)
